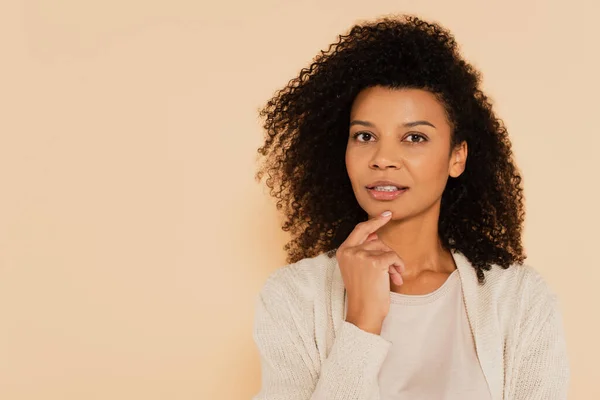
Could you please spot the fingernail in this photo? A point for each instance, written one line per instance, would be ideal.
(386, 213)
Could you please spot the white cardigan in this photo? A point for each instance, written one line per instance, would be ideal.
(309, 352)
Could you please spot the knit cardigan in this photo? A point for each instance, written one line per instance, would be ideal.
(309, 352)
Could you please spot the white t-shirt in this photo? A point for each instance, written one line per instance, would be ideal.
(433, 351)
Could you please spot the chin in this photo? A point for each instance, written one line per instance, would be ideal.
(398, 212)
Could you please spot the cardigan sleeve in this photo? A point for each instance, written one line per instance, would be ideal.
(542, 370)
(289, 358)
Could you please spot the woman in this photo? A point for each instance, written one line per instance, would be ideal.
(405, 277)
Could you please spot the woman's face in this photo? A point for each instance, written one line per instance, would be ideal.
(402, 136)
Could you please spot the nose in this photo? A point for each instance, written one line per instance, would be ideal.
(386, 159)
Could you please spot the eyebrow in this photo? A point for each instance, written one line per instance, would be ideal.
(406, 124)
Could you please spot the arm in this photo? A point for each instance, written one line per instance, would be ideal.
(542, 369)
(290, 365)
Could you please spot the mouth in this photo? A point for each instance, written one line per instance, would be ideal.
(386, 192)
(384, 184)
(386, 187)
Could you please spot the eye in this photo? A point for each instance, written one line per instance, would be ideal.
(357, 134)
(416, 138)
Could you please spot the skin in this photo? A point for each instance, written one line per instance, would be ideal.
(417, 156)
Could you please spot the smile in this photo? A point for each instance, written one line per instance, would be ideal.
(385, 193)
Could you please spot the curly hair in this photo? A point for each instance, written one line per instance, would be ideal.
(307, 124)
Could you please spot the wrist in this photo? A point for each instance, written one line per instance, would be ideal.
(373, 327)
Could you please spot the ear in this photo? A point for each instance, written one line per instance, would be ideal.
(458, 160)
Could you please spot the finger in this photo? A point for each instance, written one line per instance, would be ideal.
(395, 275)
(362, 230)
(374, 244)
(401, 267)
(391, 259)
(374, 253)
(372, 236)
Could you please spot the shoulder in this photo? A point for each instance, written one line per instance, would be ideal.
(518, 282)
(522, 282)
(294, 299)
(520, 294)
(299, 282)
(514, 294)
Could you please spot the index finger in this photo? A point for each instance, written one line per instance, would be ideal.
(364, 229)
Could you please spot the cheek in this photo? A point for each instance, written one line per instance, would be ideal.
(428, 170)
(352, 165)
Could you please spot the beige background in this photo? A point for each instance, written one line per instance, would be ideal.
(133, 237)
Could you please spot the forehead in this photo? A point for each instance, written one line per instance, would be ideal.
(401, 105)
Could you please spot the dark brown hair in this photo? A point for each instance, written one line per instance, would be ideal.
(306, 126)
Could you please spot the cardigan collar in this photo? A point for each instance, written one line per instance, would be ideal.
(482, 334)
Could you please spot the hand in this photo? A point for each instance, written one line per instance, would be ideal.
(366, 264)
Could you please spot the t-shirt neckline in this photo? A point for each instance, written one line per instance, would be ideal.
(419, 299)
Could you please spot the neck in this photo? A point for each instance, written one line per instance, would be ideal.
(416, 241)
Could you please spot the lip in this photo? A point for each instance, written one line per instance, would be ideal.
(386, 196)
(385, 183)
